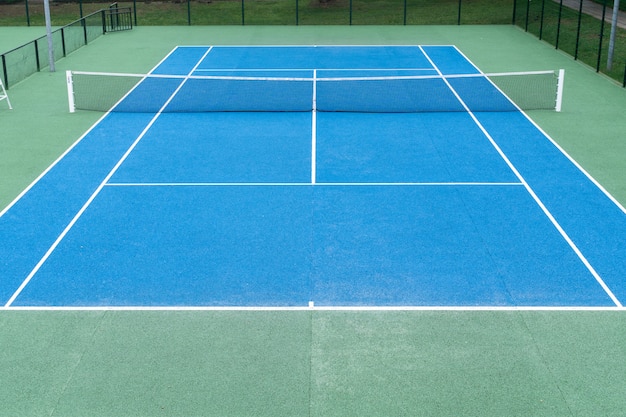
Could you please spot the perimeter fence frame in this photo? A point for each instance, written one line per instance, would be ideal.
(25, 60)
(568, 29)
(254, 12)
(573, 31)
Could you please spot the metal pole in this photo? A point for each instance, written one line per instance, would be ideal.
(4, 71)
(405, 6)
(527, 15)
(514, 11)
(46, 6)
(601, 36)
(543, 10)
(350, 21)
(27, 14)
(609, 62)
(580, 17)
(558, 25)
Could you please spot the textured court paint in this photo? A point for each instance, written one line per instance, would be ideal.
(147, 364)
(181, 61)
(449, 60)
(183, 246)
(320, 57)
(312, 364)
(222, 147)
(30, 227)
(480, 245)
(420, 149)
(579, 358)
(334, 245)
(593, 222)
(487, 358)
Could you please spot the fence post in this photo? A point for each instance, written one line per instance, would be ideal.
(558, 25)
(405, 10)
(580, 16)
(83, 23)
(297, 14)
(458, 20)
(543, 9)
(350, 21)
(27, 15)
(514, 12)
(114, 15)
(614, 18)
(527, 15)
(601, 36)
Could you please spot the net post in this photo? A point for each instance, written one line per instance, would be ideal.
(559, 90)
(4, 95)
(70, 91)
(5, 72)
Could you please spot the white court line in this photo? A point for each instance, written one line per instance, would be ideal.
(309, 69)
(312, 307)
(314, 130)
(321, 184)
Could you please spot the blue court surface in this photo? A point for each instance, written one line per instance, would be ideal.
(171, 207)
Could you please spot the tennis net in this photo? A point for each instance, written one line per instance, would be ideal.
(152, 93)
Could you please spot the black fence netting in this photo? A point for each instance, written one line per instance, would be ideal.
(23, 61)
(581, 28)
(566, 24)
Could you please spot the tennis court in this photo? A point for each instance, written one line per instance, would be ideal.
(285, 185)
(312, 230)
